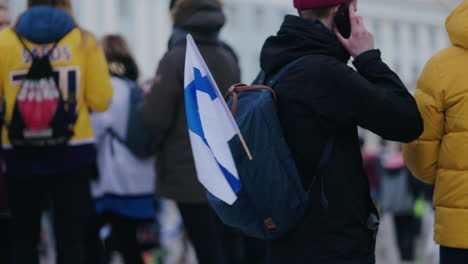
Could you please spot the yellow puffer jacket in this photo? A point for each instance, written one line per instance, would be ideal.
(440, 156)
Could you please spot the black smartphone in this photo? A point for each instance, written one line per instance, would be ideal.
(343, 21)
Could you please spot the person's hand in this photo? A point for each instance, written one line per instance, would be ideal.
(360, 40)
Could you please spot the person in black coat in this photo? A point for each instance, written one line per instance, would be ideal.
(320, 97)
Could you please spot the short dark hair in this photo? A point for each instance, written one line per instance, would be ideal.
(318, 13)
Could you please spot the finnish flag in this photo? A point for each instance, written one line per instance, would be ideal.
(211, 126)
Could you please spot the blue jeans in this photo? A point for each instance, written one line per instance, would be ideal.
(453, 255)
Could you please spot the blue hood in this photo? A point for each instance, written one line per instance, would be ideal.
(44, 24)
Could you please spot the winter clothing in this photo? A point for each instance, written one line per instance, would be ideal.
(3, 192)
(164, 110)
(63, 176)
(439, 156)
(123, 239)
(69, 193)
(5, 227)
(126, 184)
(164, 114)
(5, 220)
(214, 242)
(77, 52)
(305, 4)
(371, 168)
(44, 17)
(407, 228)
(319, 97)
(453, 255)
(205, 231)
(201, 16)
(396, 196)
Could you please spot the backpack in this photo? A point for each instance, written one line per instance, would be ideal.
(141, 142)
(272, 199)
(42, 119)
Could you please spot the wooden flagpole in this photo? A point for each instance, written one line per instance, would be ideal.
(246, 148)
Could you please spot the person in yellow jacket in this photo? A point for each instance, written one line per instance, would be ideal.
(440, 155)
(62, 176)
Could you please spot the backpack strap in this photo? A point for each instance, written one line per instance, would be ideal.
(279, 74)
(24, 44)
(72, 103)
(111, 132)
(72, 96)
(114, 135)
(52, 49)
(235, 89)
(29, 51)
(329, 145)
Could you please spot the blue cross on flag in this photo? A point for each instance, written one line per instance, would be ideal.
(211, 126)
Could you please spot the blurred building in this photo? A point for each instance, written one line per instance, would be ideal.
(145, 23)
(407, 31)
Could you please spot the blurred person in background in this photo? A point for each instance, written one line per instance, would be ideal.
(61, 175)
(320, 98)
(124, 190)
(371, 167)
(440, 155)
(398, 197)
(164, 113)
(5, 19)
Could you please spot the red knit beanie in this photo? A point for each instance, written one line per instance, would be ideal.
(306, 4)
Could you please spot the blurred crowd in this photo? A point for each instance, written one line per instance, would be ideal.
(99, 190)
(125, 184)
(404, 204)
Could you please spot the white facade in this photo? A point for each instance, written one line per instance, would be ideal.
(408, 32)
(145, 23)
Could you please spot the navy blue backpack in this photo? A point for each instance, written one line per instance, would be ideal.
(272, 199)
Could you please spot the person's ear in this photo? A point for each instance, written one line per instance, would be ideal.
(335, 10)
(299, 12)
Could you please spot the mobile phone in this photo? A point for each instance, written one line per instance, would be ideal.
(343, 21)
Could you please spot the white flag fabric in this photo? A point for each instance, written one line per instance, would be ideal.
(211, 126)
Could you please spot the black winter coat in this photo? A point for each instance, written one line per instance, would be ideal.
(321, 97)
